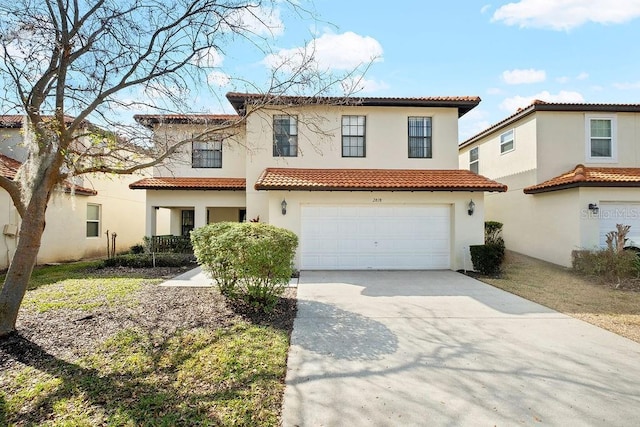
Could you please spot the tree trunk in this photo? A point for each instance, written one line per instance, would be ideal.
(24, 259)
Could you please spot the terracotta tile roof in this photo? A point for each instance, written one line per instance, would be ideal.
(149, 120)
(9, 167)
(583, 176)
(15, 120)
(170, 183)
(374, 180)
(538, 105)
(464, 104)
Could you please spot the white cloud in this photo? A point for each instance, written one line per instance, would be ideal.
(567, 14)
(218, 78)
(517, 77)
(472, 123)
(330, 51)
(494, 91)
(567, 79)
(208, 58)
(360, 85)
(515, 102)
(485, 8)
(627, 85)
(261, 21)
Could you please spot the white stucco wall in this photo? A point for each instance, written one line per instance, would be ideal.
(320, 143)
(495, 165)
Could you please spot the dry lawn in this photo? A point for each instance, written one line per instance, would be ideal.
(563, 290)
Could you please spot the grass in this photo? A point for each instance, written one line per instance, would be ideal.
(563, 290)
(230, 375)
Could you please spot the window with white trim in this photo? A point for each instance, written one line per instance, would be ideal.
(353, 136)
(474, 162)
(93, 220)
(206, 154)
(507, 142)
(285, 136)
(601, 138)
(420, 137)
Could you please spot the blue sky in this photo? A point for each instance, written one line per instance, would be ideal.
(506, 53)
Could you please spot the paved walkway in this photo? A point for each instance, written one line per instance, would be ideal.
(441, 349)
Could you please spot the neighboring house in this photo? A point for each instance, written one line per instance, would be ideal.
(573, 172)
(366, 183)
(78, 216)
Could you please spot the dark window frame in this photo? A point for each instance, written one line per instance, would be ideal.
(188, 219)
(206, 158)
(420, 137)
(285, 143)
(354, 142)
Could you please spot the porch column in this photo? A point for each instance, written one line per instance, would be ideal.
(150, 223)
(200, 216)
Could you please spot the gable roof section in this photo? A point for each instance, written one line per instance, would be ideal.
(171, 183)
(538, 105)
(9, 168)
(464, 104)
(582, 176)
(150, 120)
(374, 180)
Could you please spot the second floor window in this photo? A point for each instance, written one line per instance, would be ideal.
(506, 142)
(420, 137)
(353, 136)
(601, 144)
(285, 136)
(474, 162)
(206, 154)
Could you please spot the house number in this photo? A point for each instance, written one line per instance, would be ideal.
(377, 200)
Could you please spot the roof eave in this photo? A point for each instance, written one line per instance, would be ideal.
(260, 187)
(591, 184)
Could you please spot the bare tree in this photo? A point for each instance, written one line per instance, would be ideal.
(69, 63)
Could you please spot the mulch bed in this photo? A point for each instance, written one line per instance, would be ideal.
(70, 334)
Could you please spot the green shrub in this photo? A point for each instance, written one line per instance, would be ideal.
(138, 248)
(492, 233)
(147, 260)
(487, 259)
(606, 264)
(248, 261)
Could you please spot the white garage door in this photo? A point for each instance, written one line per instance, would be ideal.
(620, 213)
(375, 237)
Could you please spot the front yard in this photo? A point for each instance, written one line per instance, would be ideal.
(110, 347)
(563, 290)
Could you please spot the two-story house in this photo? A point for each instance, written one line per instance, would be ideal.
(366, 183)
(573, 172)
(78, 216)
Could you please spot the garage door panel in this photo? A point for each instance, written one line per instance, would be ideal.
(381, 237)
(611, 214)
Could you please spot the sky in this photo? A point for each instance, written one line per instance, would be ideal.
(507, 53)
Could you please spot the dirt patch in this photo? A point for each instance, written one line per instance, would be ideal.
(560, 288)
(160, 312)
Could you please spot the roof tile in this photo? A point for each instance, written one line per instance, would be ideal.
(171, 183)
(583, 176)
(374, 179)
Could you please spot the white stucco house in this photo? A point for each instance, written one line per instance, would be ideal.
(366, 183)
(573, 172)
(77, 217)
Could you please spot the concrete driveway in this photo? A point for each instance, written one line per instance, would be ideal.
(380, 348)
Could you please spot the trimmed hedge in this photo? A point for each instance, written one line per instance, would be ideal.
(146, 260)
(487, 259)
(248, 261)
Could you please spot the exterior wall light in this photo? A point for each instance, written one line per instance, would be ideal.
(283, 204)
(594, 208)
(472, 207)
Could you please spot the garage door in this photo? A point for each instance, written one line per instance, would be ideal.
(375, 237)
(620, 213)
